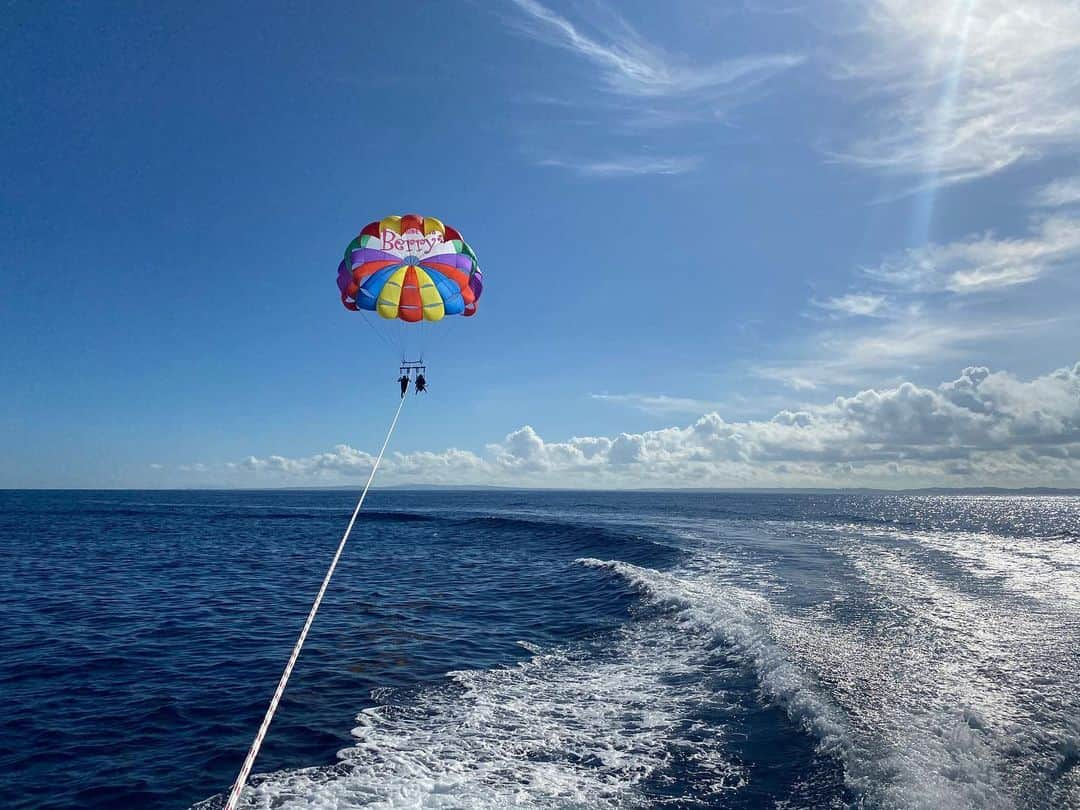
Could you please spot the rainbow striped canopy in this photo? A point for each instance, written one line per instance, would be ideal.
(410, 267)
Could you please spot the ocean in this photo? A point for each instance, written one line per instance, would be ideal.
(497, 649)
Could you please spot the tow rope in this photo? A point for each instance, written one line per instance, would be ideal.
(241, 779)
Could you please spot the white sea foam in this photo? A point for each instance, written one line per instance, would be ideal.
(977, 684)
(577, 727)
(735, 614)
(1045, 568)
(920, 704)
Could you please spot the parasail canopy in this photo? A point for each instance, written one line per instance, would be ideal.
(412, 268)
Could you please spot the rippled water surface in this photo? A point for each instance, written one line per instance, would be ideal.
(513, 649)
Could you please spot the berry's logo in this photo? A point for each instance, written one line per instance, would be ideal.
(412, 242)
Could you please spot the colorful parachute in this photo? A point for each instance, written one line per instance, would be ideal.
(410, 267)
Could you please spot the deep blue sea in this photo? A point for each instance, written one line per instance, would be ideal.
(504, 649)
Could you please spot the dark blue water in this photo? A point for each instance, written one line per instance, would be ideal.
(495, 649)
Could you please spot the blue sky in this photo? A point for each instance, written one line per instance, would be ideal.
(693, 219)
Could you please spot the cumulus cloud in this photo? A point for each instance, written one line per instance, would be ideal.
(970, 87)
(981, 428)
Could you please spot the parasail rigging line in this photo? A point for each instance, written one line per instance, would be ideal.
(249, 761)
(386, 341)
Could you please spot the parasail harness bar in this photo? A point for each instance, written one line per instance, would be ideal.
(245, 770)
(410, 368)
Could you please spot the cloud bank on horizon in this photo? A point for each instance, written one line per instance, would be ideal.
(982, 428)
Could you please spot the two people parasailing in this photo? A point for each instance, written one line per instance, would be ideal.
(421, 383)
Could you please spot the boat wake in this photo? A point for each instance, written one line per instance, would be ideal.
(590, 725)
(921, 670)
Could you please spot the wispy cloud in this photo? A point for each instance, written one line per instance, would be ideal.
(910, 340)
(867, 305)
(985, 263)
(636, 87)
(630, 65)
(1060, 193)
(971, 87)
(626, 166)
(659, 403)
(938, 302)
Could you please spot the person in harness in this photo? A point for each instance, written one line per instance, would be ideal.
(421, 384)
(404, 380)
